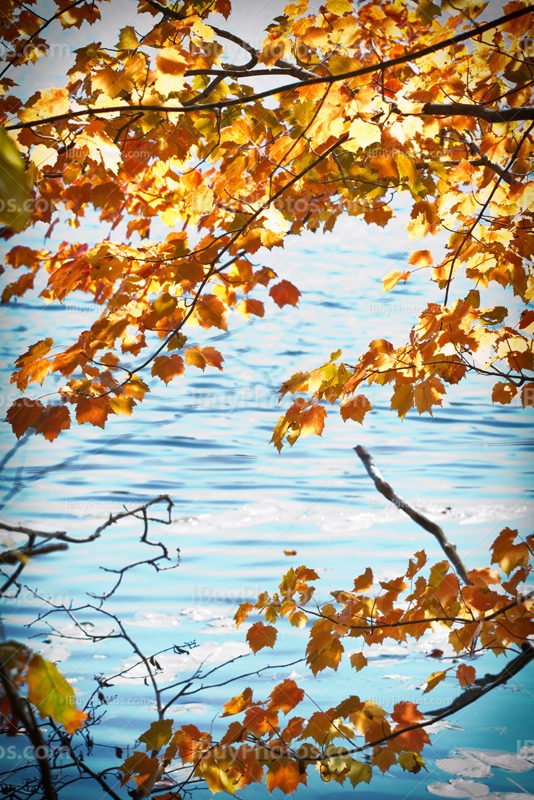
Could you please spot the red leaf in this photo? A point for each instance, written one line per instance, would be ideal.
(24, 414)
(285, 294)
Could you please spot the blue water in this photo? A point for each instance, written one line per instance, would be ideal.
(238, 504)
(204, 440)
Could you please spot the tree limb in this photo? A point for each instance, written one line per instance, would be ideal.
(384, 488)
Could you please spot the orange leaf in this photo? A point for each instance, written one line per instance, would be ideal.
(358, 661)
(53, 420)
(94, 410)
(168, 367)
(503, 393)
(199, 357)
(251, 307)
(239, 703)
(421, 258)
(138, 767)
(285, 696)
(242, 613)
(466, 675)
(284, 294)
(260, 636)
(356, 408)
(364, 582)
(312, 421)
(402, 399)
(509, 555)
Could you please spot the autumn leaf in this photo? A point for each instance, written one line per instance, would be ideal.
(503, 393)
(411, 762)
(466, 675)
(138, 767)
(202, 356)
(393, 278)
(507, 554)
(24, 414)
(52, 421)
(158, 735)
(355, 408)
(15, 185)
(94, 410)
(285, 696)
(250, 308)
(260, 636)
(284, 293)
(358, 661)
(433, 680)
(242, 613)
(364, 582)
(168, 367)
(239, 703)
(52, 694)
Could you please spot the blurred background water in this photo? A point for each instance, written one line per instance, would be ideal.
(204, 440)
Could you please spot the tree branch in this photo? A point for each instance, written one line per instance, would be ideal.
(412, 55)
(384, 488)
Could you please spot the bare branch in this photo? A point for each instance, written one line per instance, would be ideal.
(384, 488)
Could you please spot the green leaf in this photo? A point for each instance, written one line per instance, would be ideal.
(50, 691)
(15, 186)
(493, 316)
(158, 735)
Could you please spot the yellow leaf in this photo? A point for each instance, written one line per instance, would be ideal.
(43, 155)
(362, 134)
(412, 762)
(433, 681)
(315, 37)
(393, 278)
(402, 400)
(14, 186)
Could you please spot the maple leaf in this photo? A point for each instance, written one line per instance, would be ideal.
(433, 680)
(355, 408)
(285, 696)
(508, 555)
(412, 762)
(94, 410)
(466, 675)
(52, 694)
(393, 278)
(52, 421)
(138, 767)
(242, 613)
(383, 758)
(239, 703)
(260, 636)
(503, 393)
(284, 293)
(250, 308)
(358, 661)
(168, 367)
(158, 735)
(200, 357)
(364, 582)
(24, 414)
